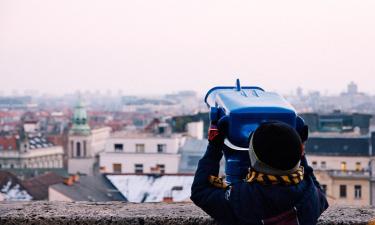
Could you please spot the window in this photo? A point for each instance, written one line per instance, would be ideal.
(72, 148)
(11, 166)
(314, 163)
(358, 166)
(343, 166)
(342, 191)
(78, 150)
(138, 168)
(162, 148)
(324, 187)
(357, 191)
(84, 149)
(1, 147)
(161, 130)
(1, 166)
(119, 147)
(161, 168)
(117, 167)
(140, 148)
(323, 165)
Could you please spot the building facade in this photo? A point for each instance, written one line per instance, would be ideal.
(346, 187)
(141, 152)
(342, 164)
(84, 143)
(338, 122)
(191, 152)
(29, 151)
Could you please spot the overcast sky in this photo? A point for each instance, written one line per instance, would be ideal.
(158, 46)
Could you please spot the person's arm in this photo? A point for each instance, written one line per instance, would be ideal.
(209, 198)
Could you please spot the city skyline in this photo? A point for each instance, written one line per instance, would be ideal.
(121, 92)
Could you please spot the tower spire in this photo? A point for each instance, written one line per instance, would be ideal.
(80, 119)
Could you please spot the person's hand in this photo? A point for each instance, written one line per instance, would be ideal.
(217, 131)
(215, 136)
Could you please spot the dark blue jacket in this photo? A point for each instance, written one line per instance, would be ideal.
(250, 203)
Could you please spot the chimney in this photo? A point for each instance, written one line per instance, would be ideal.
(168, 199)
(75, 177)
(68, 180)
(102, 169)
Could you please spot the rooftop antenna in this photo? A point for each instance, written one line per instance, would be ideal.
(238, 85)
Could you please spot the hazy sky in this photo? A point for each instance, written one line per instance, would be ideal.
(160, 46)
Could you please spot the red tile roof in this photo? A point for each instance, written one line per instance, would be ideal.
(37, 187)
(8, 143)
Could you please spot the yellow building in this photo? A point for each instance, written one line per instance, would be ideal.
(343, 163)
(345, 187)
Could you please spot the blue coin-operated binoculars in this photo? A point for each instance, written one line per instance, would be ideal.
(242, 109)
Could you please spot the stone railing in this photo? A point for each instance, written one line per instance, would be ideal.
(51, 213)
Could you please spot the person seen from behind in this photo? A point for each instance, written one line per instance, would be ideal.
(280, 187)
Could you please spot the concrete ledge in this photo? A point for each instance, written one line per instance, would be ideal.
(41, 212)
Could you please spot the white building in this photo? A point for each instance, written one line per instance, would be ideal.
(140, 152)
(31, 152)
(85, 144)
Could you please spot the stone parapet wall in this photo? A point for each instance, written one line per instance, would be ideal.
(41, 212)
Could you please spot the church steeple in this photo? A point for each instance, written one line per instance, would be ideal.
(80, 120)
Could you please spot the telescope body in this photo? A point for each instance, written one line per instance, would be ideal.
(244, 109)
